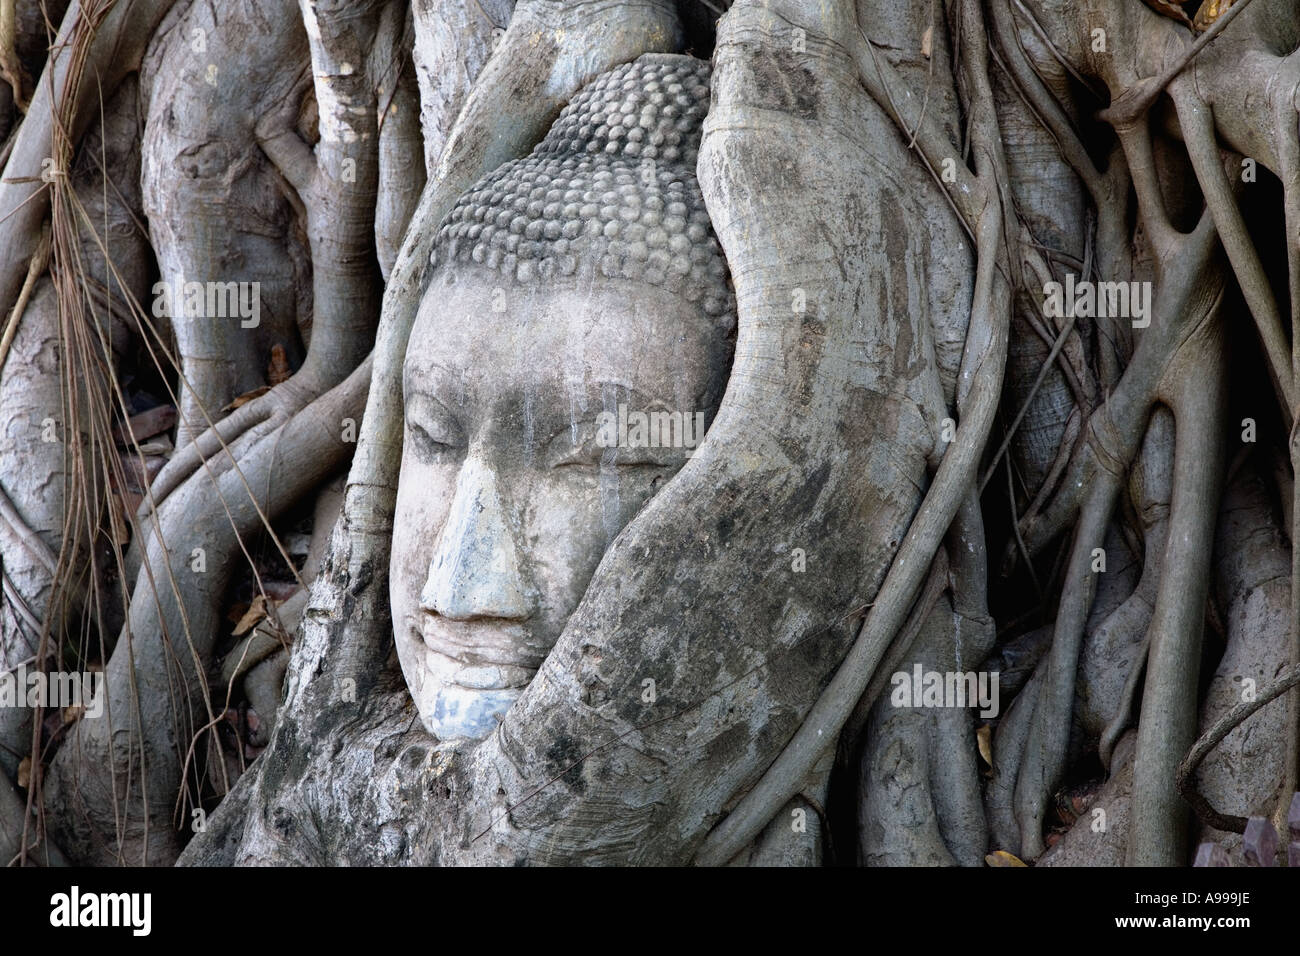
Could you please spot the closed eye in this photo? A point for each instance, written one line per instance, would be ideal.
(580, 448)
(432, 431)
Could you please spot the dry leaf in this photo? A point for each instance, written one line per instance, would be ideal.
(984, 738)
(278, 371)
(247, 397)
(926, 39)
(73, 714)
(25, 772)
(117, 519)
(157, 446)
(256, 611)
(1003, 858)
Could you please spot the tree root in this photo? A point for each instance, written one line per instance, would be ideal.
(1197, 119)
(1048, 741)
(137, 755)
(98, 45)
(1167, 724)
(1151, 488)
(1139, 97)
(983, 367)
(920, 784)
(1095, 477)
(264, 640)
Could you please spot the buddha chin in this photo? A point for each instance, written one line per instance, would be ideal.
(566, 285)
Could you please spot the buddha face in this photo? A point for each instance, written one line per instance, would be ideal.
(523, 411)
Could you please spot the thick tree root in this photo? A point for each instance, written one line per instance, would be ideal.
(1197, 393)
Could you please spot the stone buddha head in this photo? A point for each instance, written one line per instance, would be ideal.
(575, 337)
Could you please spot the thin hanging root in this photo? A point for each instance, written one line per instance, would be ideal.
(100, 39)
(1157, 834)
(86, 355)
(1288, 680)
(1070, 440)
(1028, 400)
(165, 362)
(15, 845)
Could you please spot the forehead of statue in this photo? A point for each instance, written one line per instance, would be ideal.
(479, 341)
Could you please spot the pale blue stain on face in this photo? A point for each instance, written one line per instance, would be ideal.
(460, 712)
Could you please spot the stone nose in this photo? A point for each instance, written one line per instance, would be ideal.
(475, 570)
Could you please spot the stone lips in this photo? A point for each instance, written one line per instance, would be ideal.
(611, 190)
